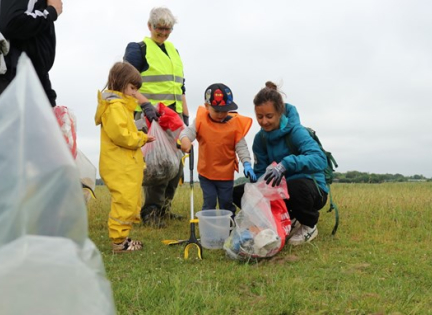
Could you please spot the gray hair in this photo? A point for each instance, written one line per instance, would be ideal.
(162, 16)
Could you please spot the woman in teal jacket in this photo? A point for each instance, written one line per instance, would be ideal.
(303, 170)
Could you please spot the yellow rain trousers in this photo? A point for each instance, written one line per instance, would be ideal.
(121, 162)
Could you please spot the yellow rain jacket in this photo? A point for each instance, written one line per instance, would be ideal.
(121, 162)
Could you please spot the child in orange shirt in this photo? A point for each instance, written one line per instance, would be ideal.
(220, 133)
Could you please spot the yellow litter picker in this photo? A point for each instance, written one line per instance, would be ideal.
(192, 241)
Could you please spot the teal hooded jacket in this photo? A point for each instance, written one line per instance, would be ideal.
(271, 147)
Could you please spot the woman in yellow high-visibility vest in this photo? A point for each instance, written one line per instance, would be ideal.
(163, 82)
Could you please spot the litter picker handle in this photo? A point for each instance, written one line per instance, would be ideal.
(191, 163)
(191, 158)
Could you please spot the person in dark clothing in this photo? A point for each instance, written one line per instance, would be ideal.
(29, 26)
(161, 69)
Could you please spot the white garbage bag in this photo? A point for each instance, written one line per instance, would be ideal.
(87, 172)
(48, 263)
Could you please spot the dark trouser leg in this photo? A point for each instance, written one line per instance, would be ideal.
(151, 213)
(220, 191)
(305, 201)
(154, 198)
(209, 190)
(173, 184)
(170, 193)
(160, 196)
(238, 192)
(46, 84)
(225, 195)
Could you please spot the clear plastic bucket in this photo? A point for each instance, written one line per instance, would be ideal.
(214, 227)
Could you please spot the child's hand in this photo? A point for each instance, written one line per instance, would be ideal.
(185, 144)
(150, 138)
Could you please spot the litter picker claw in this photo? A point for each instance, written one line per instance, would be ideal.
(192, 241)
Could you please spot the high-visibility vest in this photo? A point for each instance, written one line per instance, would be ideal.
(163, 80)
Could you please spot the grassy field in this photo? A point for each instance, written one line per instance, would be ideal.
(379, 262)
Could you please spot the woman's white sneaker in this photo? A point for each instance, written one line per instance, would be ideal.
(303, 235)
(295, 226)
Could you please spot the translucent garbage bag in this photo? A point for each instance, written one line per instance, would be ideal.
(87, 172)
(262, 223)
(161, 158)
(51, 276)
(44, 244)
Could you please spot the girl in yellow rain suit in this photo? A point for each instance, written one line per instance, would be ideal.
(121, 162)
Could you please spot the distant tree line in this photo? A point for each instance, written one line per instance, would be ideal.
(351, 177)
(361, 177)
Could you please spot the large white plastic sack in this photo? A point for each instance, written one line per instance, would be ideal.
(48, 265)
(87, 173)
(51, 276)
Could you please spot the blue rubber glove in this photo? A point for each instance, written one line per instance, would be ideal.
(248, 171)
(149, 111)
(275, 174)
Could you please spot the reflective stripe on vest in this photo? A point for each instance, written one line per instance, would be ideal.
(163, 80)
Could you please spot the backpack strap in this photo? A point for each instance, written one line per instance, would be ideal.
(143, 48)
(335, 208)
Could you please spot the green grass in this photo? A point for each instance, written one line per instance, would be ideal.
(379, 262)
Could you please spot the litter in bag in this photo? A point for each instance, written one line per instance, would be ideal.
(48, 264)
(262, 224)
(161, 157)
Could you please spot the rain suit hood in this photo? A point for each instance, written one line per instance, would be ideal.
(107, 97)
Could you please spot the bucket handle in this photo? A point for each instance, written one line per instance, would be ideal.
(233, 224)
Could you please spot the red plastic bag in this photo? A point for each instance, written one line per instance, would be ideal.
(168, 118)
(282, 219)
(67, 122)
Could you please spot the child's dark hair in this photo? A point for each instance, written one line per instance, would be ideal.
(121, 74)
(270, 94)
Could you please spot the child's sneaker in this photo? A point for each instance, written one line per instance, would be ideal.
(303, 235)
(127, 246)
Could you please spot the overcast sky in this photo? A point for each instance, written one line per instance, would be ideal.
(359, 72)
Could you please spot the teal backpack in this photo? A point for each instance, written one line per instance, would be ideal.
(328, 171)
